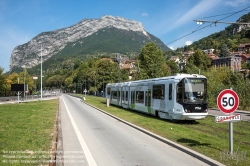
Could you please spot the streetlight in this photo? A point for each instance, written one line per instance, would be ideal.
(103, 85)
(95, 85)
(24, 78)
(35, 78)
(85, 83)
(18, 91)
(118, 57)
(41, 72)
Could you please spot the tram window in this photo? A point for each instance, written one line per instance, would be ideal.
(158, 92)
(114, 94)
(118, 95)
(132, 97)
(170, 92)
(139, 97)
(179, 92)
(123, 95)
(126, 96)
(109, 90)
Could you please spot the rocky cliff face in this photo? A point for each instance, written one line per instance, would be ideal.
(48, 44)
(237, 28)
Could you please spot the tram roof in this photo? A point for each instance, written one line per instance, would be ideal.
(176, 76)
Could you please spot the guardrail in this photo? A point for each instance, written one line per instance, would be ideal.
(29, 97)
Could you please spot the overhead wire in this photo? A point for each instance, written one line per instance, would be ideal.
(221, 14)
(198, 29)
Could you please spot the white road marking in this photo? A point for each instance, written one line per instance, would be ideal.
(85, 148)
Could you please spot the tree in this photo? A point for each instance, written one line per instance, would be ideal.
(232, 44)
(224, 51)
(152, 62)
(107, 72)
(55, 81)
(243, 65)
(3, 82)
(198, 60)
(173, 66)
(25, 77)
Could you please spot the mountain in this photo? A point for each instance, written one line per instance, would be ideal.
(88, 37)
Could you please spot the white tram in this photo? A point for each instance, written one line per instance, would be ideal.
(179, 97)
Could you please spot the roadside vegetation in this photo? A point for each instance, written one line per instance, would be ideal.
(26, 132)
(151, 62)
(204, 136)
(76, 70)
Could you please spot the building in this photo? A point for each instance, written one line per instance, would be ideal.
(244, 48)
(212, 56)
(175, 59)
(187, 54)
(130, 66)
(245, 58)
(233, 62)
(208, 51)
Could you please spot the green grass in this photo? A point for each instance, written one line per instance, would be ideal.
(26, 128)
(204, 136)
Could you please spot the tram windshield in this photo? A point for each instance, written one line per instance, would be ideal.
(192, 90)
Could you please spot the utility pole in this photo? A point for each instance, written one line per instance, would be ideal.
(41, 72)
(24, 75)
(119, 72)
(103, 87)
(85, 83)
(118, 57)
(95, 85)
(18, 92)
(216, 21)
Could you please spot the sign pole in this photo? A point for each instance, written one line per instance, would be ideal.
(231, 146)
(231, 137)
(228, 102)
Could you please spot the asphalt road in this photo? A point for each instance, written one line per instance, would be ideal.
(90, 137)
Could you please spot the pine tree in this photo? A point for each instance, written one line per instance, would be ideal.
(224, 51)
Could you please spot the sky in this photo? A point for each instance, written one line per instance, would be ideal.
(169, 20)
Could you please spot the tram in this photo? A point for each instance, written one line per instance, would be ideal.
(178, 97)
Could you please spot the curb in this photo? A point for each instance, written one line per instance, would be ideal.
(52, 161)
(186, 150)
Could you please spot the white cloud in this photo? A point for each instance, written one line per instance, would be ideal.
(171, 47)
(237, 3)
(144, 14)
(187, 43)
(187, 16)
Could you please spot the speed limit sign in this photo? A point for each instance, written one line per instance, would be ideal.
(228, 101)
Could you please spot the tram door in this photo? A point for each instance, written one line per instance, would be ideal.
(148, 100)
(170, 97)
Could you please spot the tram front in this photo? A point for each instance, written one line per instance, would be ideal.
(192, 95)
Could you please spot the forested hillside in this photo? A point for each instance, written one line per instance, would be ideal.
(233, 35)
(104, 42)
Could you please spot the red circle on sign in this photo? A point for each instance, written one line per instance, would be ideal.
(236, 103)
